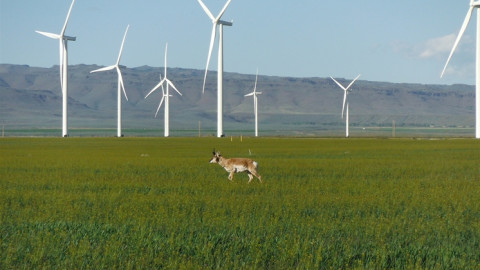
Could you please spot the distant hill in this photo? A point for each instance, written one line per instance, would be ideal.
(30, 97)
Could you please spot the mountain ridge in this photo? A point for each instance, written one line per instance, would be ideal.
(30, 97)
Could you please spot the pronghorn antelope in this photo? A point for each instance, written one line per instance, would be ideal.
(236, 165)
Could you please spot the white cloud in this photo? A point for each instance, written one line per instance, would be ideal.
(436, 46)
(466, 71)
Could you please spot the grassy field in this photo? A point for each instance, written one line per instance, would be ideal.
(106, 203)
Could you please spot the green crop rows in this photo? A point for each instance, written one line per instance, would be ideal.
(143, 203)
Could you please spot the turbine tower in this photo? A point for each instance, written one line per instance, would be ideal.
(345, 102)
(473, 5)
(121, 86)
(63, 67)
(165, 95)
(255, 103)
(217, 22)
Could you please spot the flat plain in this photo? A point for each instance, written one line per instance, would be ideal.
(107, 203)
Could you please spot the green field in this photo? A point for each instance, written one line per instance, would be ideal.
(150, 203)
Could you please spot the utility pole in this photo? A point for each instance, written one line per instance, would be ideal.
(393, 129)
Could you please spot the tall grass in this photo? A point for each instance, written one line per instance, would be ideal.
(156, 203)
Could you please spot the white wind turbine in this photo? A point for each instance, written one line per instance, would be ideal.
(217, 22)
(165, 96)
(345, 102)
(63, 67)
(121, 86)
(255, 103)
(473, 5)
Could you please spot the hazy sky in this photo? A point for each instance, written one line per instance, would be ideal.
(397, 41)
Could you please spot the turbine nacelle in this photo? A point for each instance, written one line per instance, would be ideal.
(69, 38)
(225, 23)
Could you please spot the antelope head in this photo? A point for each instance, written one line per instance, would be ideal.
(216, 157)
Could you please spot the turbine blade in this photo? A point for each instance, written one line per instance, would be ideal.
(120, 79)
(162, 84)
(212, 40)
(344, 101)
(121, 47)
(160, 105)
(66, 21)
(250, 94)
(50, 35)
(103, 69)
(459, 37)
(222, 22)
(223, 10)
(166, 49)
(154, 88)
(61, 48)
(353, 81)
(173, 86)
(256, 80)
(258, 93)
(341, 86)
(206, 10)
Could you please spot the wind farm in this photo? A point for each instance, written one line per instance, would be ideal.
(221, 110)
(390, 183)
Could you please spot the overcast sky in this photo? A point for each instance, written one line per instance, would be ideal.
(396, 41)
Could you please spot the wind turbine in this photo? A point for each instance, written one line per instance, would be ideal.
(217, 22)
(63, 67)
(345, 102)
(121, 86)
(255, 103)
(166, 95)
(473, 5)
